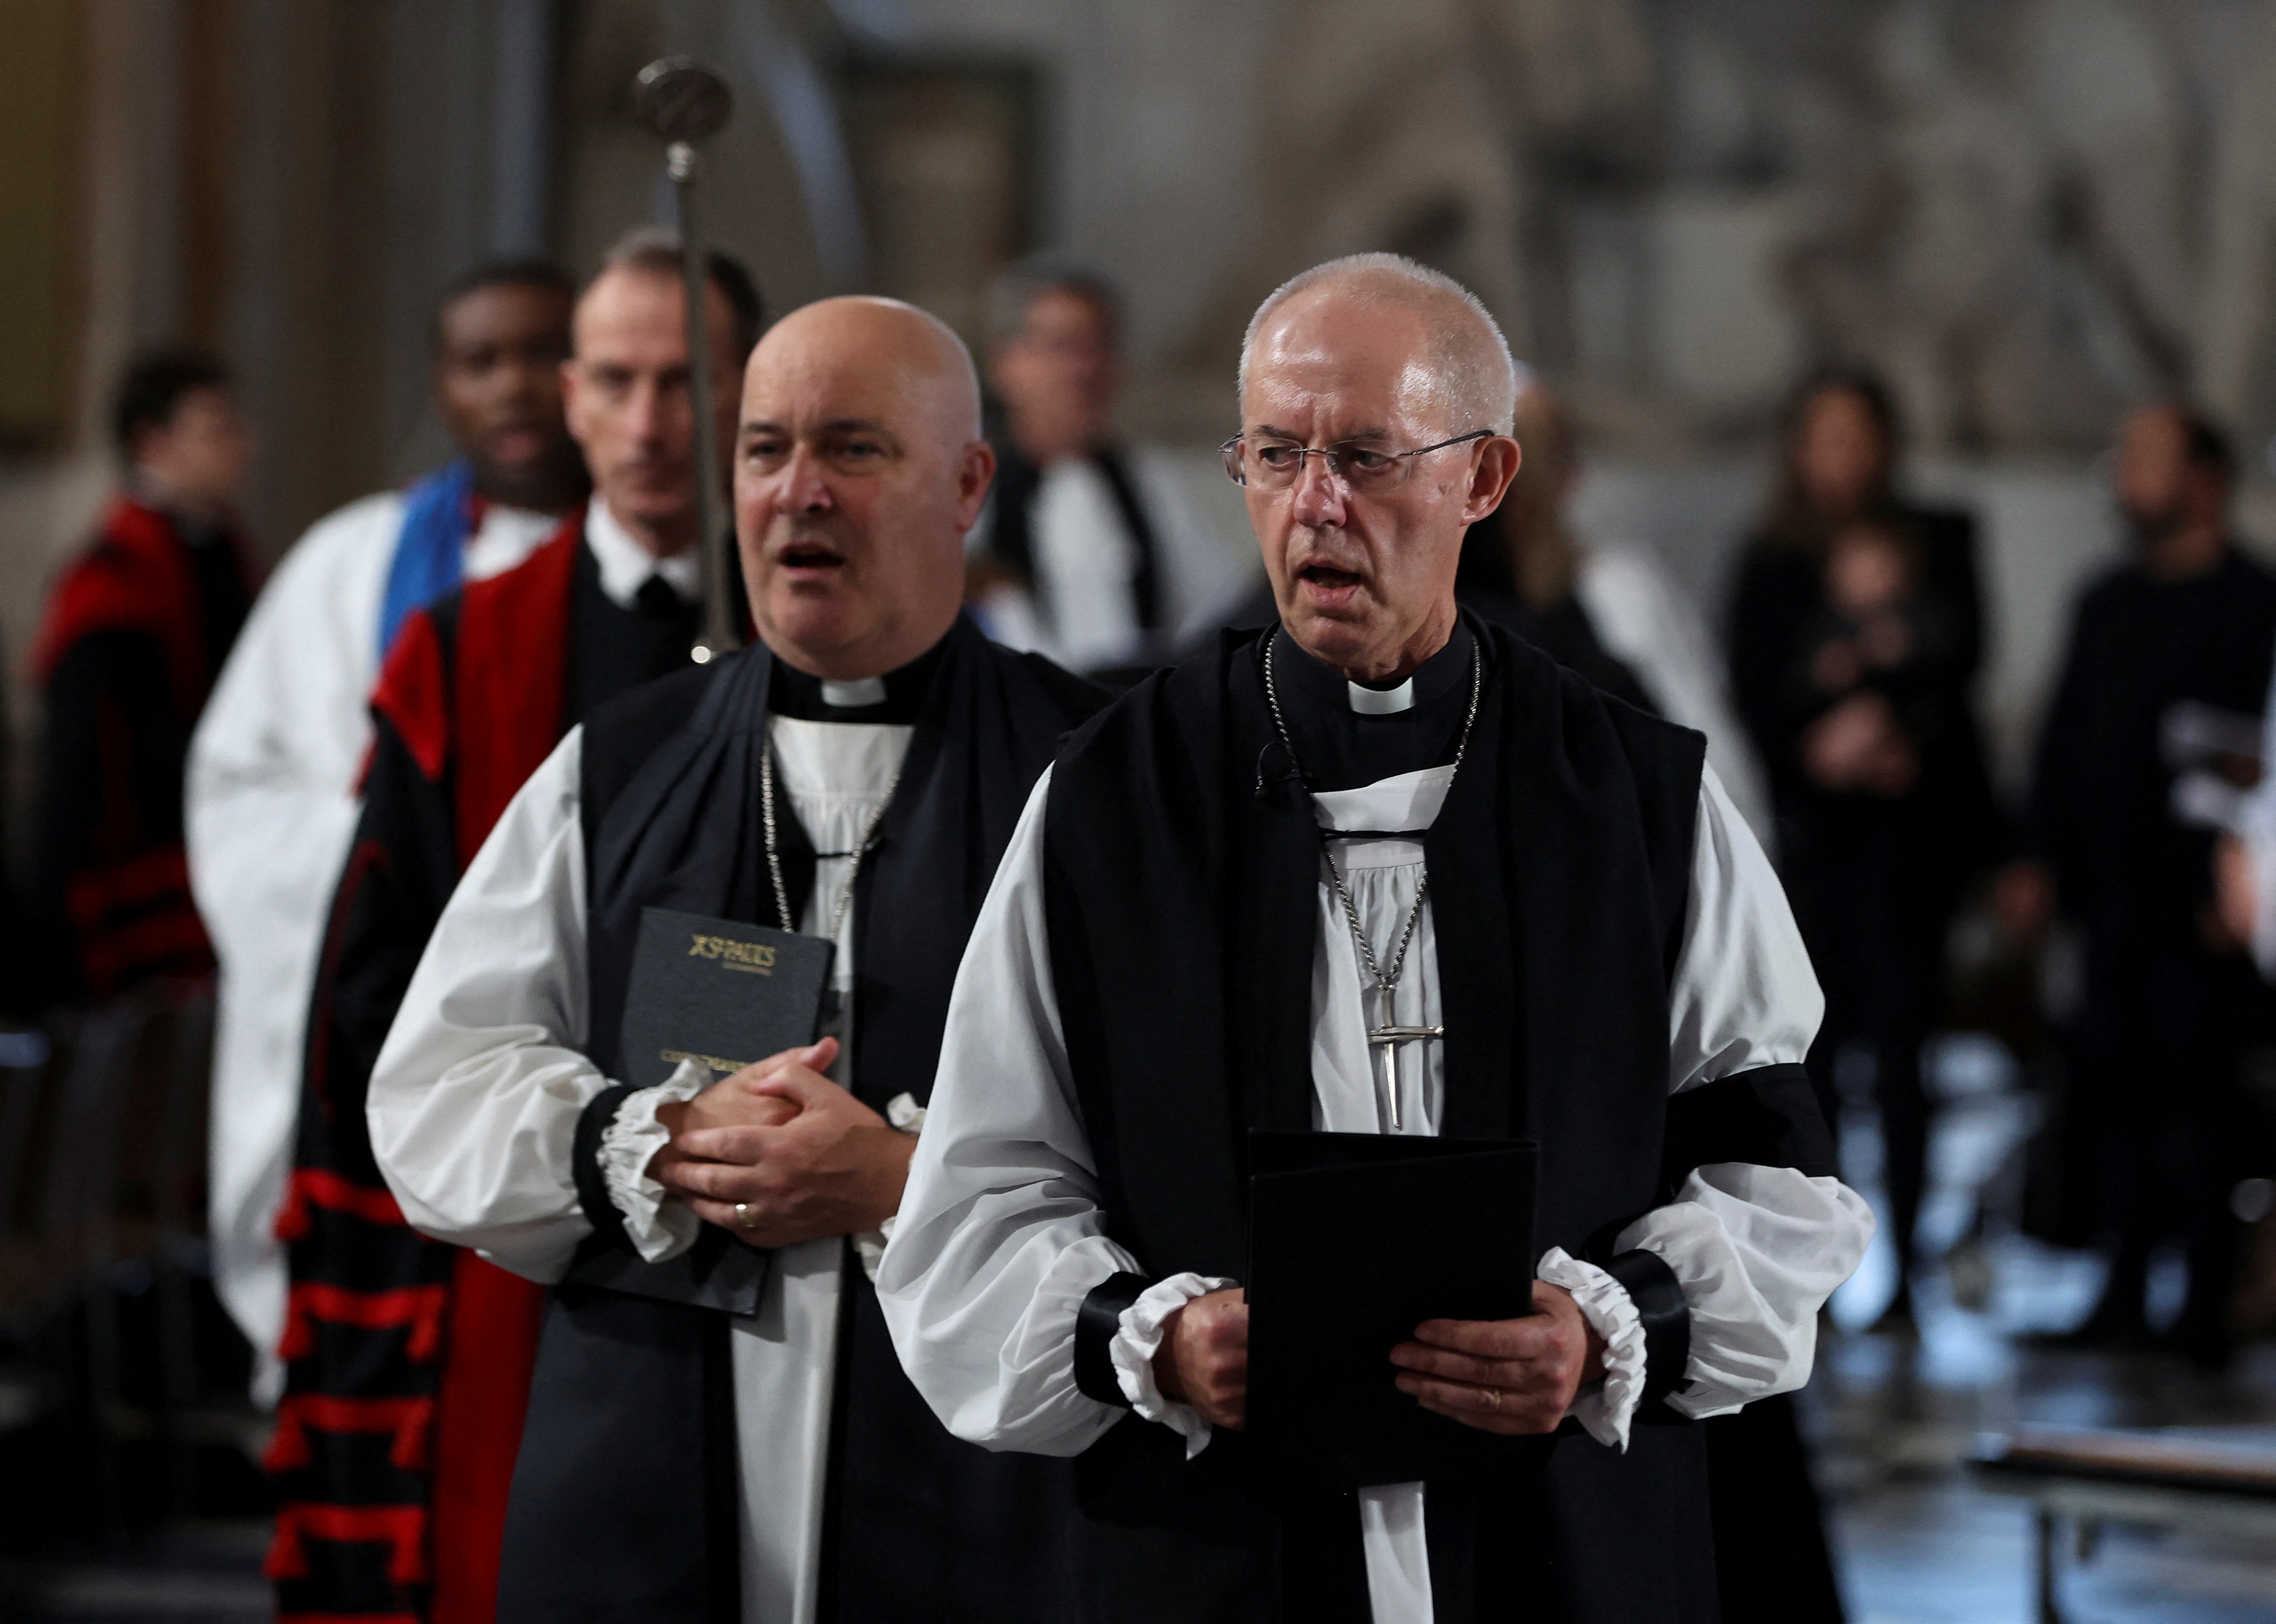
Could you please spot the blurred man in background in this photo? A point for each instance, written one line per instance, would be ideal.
(273, 769)
(2169, 655)
(1090, 551)
(134, 636)
(384, 1326)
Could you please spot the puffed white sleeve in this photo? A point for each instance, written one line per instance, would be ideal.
(1000, 1237)
(475, 1097)
(1756, 1250)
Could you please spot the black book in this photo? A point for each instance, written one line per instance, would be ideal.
(1354, 1241)
(718, 991)
(723, 993)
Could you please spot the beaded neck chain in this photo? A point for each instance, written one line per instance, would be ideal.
(1383, 1037)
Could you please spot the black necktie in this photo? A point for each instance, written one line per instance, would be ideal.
(656, 599)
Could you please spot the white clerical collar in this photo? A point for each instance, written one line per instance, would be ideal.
(1381, 702)
(626, 565)
(854, 694)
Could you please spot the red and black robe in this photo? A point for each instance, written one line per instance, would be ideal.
(132, 639)
(409, 1360)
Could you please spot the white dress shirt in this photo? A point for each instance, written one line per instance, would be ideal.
(269, 812)
(626, 565)
(1000, 1237)
(475, 1102)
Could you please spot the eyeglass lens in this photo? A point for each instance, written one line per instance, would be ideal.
(1275, 465)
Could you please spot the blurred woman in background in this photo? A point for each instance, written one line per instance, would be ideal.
(1856, 635)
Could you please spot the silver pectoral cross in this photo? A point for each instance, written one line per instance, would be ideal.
(1384, 1039)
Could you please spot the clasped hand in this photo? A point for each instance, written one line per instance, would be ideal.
(802, 1156)
(1508, 1376)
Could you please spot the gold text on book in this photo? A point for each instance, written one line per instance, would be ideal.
(756, 957)
(673, 1056)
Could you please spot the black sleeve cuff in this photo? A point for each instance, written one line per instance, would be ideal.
(1768, 1116)
(1095, 1325)
(1660, 1304)
(585, 1159)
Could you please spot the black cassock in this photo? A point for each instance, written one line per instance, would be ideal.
(2157, 1102)
(1181, 863)
(625, 1500)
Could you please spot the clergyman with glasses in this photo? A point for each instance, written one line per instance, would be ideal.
(1379, 869)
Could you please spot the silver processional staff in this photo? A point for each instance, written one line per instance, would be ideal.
(684, 101)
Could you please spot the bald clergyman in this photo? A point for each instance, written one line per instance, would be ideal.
(1213, 917)
(856, 777)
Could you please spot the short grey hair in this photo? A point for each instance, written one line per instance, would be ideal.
(1477, 375)
(1018, 284)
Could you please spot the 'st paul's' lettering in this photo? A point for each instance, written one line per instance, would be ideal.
(756, 957)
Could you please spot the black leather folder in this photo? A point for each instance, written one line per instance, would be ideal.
(1354, 1241)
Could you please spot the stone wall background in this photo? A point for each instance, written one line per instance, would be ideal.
(2026, 212)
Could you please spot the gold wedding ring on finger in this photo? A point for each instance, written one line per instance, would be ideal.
(744, 1216)
(1493, 1396)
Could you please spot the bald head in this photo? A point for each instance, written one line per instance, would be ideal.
(884, 338)
(1465, 370)
(859, 467)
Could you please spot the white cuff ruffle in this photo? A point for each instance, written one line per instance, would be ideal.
(1139, 1339)
(1605, 1409)
(903, 1111)
(659, 1225)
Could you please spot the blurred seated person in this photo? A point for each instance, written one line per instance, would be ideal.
(1609, 612)
(1854, 641)
(2183, 628)
(1090, 551)
(133, 637)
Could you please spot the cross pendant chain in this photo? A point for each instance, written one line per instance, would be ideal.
(1383, 1040)
(1385, 1035)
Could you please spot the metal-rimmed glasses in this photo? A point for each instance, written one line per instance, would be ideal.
(1277, 465)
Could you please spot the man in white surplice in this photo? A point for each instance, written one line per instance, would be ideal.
(1060, 1279)
(273, 769)
(903, 743)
